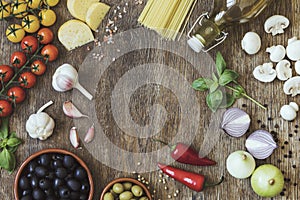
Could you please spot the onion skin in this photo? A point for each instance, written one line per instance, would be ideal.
(260, 144)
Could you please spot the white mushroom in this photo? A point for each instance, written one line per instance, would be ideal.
(277, 53)
(293, 49)
(297, 67)
(251, 43)
(289, 112)
(284, 72)
(276, 24)
(264, 73)
(292, 86)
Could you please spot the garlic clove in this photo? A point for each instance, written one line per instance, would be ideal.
(74, 137)
(283, 70)
(235, 122)
(260, 144)
(297, 67)
(251, 43)
(265, 73)
(89, 136)
(277, 53)
(71, 110)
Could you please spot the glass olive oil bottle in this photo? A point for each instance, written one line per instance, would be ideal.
(225, 13)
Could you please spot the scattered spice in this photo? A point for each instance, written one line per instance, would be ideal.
(276, 126)
(258, 121)
(294, 166)
(286, 142)
(263, 126)
(290, 135)
(244, 105)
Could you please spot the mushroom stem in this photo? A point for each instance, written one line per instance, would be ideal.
(248, 97)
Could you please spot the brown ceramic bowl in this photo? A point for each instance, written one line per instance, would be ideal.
(58, 151)
(121, 180)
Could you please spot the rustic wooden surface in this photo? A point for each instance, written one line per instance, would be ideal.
(270, 94)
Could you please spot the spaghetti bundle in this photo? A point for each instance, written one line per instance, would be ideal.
(166, 16)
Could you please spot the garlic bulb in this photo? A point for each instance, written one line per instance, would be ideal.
(260, 144)
(65, 78)
(235, 122)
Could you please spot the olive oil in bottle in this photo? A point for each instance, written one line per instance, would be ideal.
(224, 14)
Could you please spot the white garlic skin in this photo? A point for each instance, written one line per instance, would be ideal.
(277, 53)
(251, 43)
(288, 112)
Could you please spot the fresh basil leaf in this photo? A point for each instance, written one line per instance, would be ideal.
(3, 143)
(202, 84)
(220, 64)
(12, 149)
(227, 77)
(4, 128)
(7, 160)
(12, 135)
(213, 87)
(214, 77)
(12, 142)
(227, 101)
(214, 100)
(239, 93)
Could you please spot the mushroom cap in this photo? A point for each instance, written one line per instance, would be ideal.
(292, 50)
(288, 113)
(283, 70)
(276, 24)
(297, 67)
(251, 43)
(265, 73)
(277, 53)
(292, 86)
(294, 105)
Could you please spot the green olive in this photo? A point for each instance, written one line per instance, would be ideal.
(108, 196)
(126, 195)
(144, 198)
(127, 186)
(137, 190)
(118, 188)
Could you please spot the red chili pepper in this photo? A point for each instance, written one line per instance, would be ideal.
(192, 180)
(187, 155)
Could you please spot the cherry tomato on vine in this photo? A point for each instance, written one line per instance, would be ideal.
(5, 108)
(29, 44)
(38, 67)
(48, 17)
(27, 80)
(18, 59)
(31, 23)
(49, 52)
(15, 33)
(45, 35)
(34, 3)
(5, 9)
(6, 73)
(51, 3)
(19, 8)
(16, 94)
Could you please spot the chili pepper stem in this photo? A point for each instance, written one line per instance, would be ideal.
(172, 147)
(214, 184)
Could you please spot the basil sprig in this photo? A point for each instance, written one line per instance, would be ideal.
(9, 143)
(216, 86)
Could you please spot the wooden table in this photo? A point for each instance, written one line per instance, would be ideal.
(286, 157)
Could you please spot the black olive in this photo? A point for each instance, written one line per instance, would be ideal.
(57, 157)
(41, 171)
(58, 182)
(69, 161)
(83, 197)
(34, 181)
(51, 175)
(26, 192)
(45, 160)
(32, 165)
(44, 183)
(57, 163)
(27, 197)
(73, 184)
(64, 192)
(85, 187)
(74, 195)
(24, 183)
(61, 172)
(38, 194)
(80, 173)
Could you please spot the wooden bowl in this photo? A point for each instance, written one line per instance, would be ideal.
(121, 180)
(58, 151)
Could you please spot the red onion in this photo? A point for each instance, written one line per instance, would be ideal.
(235, 122)
(260, 144)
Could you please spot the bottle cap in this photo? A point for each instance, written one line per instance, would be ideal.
(195, 44)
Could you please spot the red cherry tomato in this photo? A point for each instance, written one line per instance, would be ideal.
(50, 52)
(29, 44)
(18, 59)
(27, 80)
(6, 73)
(5, 108)
(38, 67)
(45, 35)
(16, 94)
